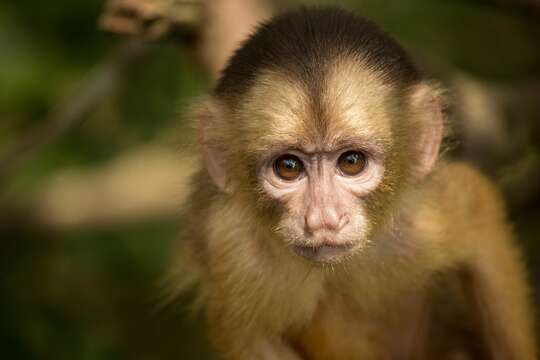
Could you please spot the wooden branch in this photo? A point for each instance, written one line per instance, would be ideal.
(226, 24)
(152, 19)
(221, 24)
(148, 183)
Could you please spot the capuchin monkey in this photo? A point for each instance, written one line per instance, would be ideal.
(323, 224)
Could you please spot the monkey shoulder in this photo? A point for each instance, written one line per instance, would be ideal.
(468, 209)
(459, 174)
(459, 187)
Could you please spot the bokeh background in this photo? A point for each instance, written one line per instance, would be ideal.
(95, 149)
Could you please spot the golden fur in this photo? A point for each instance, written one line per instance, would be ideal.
(441, 277)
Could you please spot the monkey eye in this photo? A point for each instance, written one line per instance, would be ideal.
(352, 162)
(288, 167)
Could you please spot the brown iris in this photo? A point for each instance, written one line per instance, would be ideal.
(352, 162)
(288, 167)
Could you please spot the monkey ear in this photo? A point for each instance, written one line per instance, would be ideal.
(209, 116)
(426, 106)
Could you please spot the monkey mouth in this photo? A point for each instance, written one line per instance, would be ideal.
(325, 252)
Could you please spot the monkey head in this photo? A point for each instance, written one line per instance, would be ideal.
(320, 136)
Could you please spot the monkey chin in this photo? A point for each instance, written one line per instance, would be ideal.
(325, 253)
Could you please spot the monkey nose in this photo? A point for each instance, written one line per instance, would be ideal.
(325, 218)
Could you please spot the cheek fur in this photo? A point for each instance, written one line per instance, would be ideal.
(360, 222)
(290, 229)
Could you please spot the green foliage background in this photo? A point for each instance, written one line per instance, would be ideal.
(93, 293)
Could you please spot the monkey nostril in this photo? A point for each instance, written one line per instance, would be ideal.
(312, 221)
(344, 220)
(332, 221)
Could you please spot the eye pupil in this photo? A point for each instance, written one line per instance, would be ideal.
(288, 167)
(352, 162)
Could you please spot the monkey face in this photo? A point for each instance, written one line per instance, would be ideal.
(323, 193)
(320, 160)
(332, 154)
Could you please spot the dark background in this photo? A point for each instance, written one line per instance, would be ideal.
(80, 266)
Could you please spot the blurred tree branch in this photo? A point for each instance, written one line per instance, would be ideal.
(147, 183)
(226, 24)
(138, 184)
(496, 125)
(221, 24)
(153, 19)
(99, 84)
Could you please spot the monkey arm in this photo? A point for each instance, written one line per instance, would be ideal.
(496, 287)
(494, 277)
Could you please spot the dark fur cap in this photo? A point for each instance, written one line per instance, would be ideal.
(301, 42)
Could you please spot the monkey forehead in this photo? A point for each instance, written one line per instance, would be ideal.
(348, 103)
(356, 98)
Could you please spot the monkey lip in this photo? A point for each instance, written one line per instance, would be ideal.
(325, 252)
